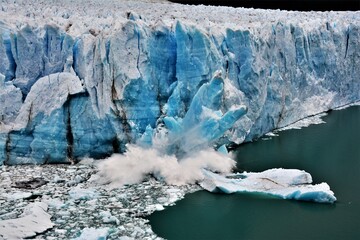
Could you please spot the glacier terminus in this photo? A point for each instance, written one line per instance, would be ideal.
(84, 80)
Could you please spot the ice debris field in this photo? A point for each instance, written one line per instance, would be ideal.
(163, 89)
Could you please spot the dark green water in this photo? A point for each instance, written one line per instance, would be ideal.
(329, 152)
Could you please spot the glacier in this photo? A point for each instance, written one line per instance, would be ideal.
(83, 80)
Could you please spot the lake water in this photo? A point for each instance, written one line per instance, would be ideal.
(329, 152)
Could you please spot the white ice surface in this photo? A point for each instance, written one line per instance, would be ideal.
(283, 183)
(34, 220)
(47, 94)
(17, 195)
(77, 17)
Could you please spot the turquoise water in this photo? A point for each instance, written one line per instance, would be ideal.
(330, 152)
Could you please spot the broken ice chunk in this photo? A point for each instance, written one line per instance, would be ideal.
(93, 234)
(108, 218)
(78, 193)
(34, 220)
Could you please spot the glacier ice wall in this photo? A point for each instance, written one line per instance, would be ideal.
(74, 86)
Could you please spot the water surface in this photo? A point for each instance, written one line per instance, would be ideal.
(330, 152)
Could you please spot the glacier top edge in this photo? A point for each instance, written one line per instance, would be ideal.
(78, 17)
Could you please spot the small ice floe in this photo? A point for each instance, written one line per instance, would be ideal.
(78, 193)
(17, 195)
(58, 179)
(55, 203)
(154, 207)
(108, 218)
(93, 234)
(283, 183)
(271, 134)
(32, 221)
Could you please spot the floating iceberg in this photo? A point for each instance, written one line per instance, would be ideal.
(282, 183)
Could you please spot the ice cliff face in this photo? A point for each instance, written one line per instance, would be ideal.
(84, 80)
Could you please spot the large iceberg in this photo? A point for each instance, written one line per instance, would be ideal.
(283, 183)
(83, 80)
